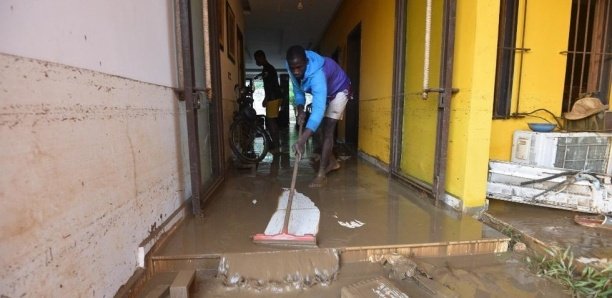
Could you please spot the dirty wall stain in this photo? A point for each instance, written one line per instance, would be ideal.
(72, 216)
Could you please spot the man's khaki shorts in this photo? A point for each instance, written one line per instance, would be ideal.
(272, 108)
(335, 108)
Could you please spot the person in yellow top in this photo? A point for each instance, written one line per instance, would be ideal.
(273, 96)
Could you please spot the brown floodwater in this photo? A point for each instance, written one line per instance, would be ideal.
(363, 216)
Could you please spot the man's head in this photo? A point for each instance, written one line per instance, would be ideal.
(260, 57)
(297, 61)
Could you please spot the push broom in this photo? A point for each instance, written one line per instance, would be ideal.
(300, 222)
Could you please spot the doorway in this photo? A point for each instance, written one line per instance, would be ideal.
(203, 129)
(353, 59)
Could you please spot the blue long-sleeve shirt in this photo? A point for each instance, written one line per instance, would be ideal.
(323, 78)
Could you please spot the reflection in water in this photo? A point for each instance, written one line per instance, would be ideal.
(279, 160)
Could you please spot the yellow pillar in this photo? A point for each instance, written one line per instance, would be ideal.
(471, 108)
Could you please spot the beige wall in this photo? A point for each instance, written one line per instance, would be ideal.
(91, 163)
(132, 39)
(92, 146)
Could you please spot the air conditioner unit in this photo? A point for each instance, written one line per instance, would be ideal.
(583, 151)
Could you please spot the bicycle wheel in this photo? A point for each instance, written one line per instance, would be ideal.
(263, 124)
(248, 141)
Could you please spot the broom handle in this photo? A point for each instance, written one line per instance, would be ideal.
(292, 190)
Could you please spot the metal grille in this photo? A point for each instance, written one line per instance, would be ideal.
(583, 153)
(589, 56)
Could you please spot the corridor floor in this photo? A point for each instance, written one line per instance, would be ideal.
(396, 219)
(393, 215)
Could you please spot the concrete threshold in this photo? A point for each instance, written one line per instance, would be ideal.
(210, 262)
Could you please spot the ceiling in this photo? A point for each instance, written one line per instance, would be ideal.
(275, 25)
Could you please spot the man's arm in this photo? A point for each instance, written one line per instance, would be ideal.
(319, 100)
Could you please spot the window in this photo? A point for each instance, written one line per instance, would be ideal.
(505, 58)
(589, 53)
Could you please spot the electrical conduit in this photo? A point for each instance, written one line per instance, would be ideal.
(427, 50)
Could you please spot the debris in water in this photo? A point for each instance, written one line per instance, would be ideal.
(377, 287)
(597, 262)
(519, 246)
(279, 271)
(399, 266)
(352, 224)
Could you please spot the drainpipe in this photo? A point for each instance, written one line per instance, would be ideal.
(427, 51)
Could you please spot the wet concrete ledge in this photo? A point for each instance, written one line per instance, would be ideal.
(210, 262)
(542, 228)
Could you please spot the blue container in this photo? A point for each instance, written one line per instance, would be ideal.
(542, 127)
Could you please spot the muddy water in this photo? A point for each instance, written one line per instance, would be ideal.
(281, 271)
(360, 207)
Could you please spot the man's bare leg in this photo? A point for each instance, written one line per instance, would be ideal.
(273, 129)
(329, 125)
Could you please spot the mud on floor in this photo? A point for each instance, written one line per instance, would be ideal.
(500, 275)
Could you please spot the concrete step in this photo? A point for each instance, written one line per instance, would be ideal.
(169, 284)
(210, 262)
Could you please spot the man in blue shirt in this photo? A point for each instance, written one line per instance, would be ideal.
(330, 88)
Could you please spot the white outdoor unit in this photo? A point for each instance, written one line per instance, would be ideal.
(582, 151)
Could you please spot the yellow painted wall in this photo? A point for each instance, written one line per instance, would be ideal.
(377, 40)
(543, 74)
(420, 115)
(473, 137)
(474, 75)
(470, 123)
